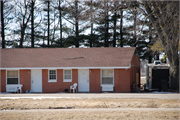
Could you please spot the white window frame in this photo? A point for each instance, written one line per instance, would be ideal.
(67, 80)
(52, 80)
(12, 77)
(107, 76)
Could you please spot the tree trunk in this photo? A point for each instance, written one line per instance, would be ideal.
(90, 40)
(60, 23)
(106, 25)
(150, 39)
(115, 19)
(135, 30)
(77, 24)
(32, 23)
(22, 35)
(48, 22)
(174, 70)
(44, 37)
(157, 56)
(121, 25)
(150, 59)
(2, 25)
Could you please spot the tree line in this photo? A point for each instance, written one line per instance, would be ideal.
(73, 23)
(94, 23)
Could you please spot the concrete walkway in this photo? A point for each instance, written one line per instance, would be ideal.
(91, 95)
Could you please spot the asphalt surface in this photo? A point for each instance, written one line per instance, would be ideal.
(92, 95)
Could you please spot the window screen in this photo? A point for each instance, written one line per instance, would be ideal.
(67, 74)
(107, 76)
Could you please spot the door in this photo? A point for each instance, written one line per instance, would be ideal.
(83, 80)
(36, 80)
(157, 76)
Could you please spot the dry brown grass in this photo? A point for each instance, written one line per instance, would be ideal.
(24, 104)
(92, 114)
(94, 108)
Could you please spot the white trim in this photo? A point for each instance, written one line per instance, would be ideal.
(67, 80)
(128, 67)
(18, 77)
(53, 80)
(107, 87)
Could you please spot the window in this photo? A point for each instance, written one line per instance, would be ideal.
(107, 77)
(67, 75)
(12, 77)
(52, 76)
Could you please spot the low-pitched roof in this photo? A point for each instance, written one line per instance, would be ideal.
(66, 57)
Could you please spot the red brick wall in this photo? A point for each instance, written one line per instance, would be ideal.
(64, 85)
(3, 80)
(95, 80)
(58, 86)
(25, 79)
(135, 68)
(122, 80)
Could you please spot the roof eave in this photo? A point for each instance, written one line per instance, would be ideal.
(25, 68)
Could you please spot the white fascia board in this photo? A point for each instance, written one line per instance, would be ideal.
(24, 68)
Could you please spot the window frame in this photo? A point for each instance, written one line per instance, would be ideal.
(67, 80)
(107, 76)
(52, 80)
(12, 77)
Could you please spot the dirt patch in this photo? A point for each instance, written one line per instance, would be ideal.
(25, 104)
(93, 114)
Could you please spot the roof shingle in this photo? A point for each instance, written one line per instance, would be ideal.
(66, 57)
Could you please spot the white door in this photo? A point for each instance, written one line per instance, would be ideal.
(36, 80)
(83, 80)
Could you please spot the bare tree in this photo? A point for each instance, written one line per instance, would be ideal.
(75, 16)
(22, 14)
(164, 16)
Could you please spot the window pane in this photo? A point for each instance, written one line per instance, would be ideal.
(13, 73)
(67, 71)
(67, 76)
(8, 73)
(52, 71)
(107, 80)
(52, 76)
(107, 73)
(12, 80)
(16, 73)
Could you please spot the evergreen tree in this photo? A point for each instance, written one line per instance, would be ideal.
(6, 19)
